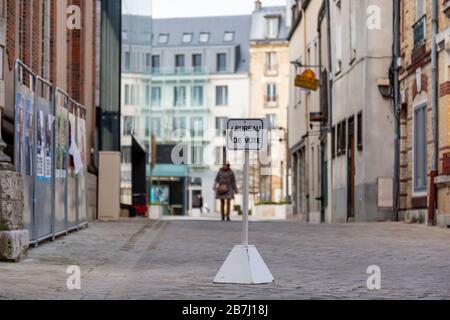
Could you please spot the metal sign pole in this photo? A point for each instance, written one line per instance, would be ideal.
(246, 196)
(244, 264)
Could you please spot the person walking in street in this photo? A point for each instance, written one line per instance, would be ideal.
(225, 188)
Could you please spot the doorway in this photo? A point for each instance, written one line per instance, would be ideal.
(351, 171)
(323, 181)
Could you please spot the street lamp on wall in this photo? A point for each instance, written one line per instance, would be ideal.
(385, 88)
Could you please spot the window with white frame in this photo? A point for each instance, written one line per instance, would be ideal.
(420, 148)
(228, 36)
(272, 120)
(197, 155)
(128, 126)
(127, 95)
(271, 93)
(197, 127)
(272, 27)
(126, 154)
(127, 61)
(197, 62)
(147, 95)
(163, 38)
(156, 63)
(221, 96)
(148, 60)
(338, 37)
(179, 62)
(204, 37)
(156, 97)
(271, 58)
(179, 126)
(221, 126)
(156, 127)
(197, 96)
(179, 96)
(187, 37)
(221, 62)
(134, 95)
(419, 27)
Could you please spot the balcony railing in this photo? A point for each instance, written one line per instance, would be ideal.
(176, 71)
(419, 31)
(271, 101)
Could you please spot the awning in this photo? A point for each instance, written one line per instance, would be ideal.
(168, 171)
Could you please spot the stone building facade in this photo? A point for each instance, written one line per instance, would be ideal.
(363, 116)
(417, 141)
(304, 135)
(182, 86)
(269, 95)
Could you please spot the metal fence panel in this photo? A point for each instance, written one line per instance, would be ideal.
(61, 155)
(72, 221)
(54, 195)
(81, 183)
(44, 158)
(24, 150)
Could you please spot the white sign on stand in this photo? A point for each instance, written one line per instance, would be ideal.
(244, 264)
(246, 135)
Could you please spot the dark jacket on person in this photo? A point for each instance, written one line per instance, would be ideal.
(225, 177)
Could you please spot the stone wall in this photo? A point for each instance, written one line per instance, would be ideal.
(13, 240)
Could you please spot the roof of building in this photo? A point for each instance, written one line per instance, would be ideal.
(138, 27)
(258, 30)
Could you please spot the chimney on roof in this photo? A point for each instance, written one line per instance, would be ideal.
(258, 5)
(289, 4)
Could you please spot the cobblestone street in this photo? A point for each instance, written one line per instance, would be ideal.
(179, 259)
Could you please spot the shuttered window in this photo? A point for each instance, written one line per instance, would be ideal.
(420, 149)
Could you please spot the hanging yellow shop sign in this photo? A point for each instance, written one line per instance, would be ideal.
(307, 80)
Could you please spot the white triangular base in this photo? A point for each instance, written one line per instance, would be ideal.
(244, 265)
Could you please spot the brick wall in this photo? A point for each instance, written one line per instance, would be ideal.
(414, 58)
(24, 33)
(11, 32)
(75, 59)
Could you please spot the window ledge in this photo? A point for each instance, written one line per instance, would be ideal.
(442, 181)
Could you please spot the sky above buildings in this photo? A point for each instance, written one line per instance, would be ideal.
(193, 8)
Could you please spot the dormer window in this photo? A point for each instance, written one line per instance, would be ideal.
(228, 36)
(187, 38)
(204, 37)
(163, 38)
(272, 26)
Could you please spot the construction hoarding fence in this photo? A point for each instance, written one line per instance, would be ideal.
(50, 153)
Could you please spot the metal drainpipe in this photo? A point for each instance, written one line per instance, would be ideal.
(330, 109)
(434, 104)
(397, 102)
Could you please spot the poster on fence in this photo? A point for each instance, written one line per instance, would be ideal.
(48, 147)
(28, 143)
(61, 127)
(81, 142)
(74, 151)
(40, 148)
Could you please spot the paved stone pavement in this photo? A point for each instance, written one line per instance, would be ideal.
(179, 259)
